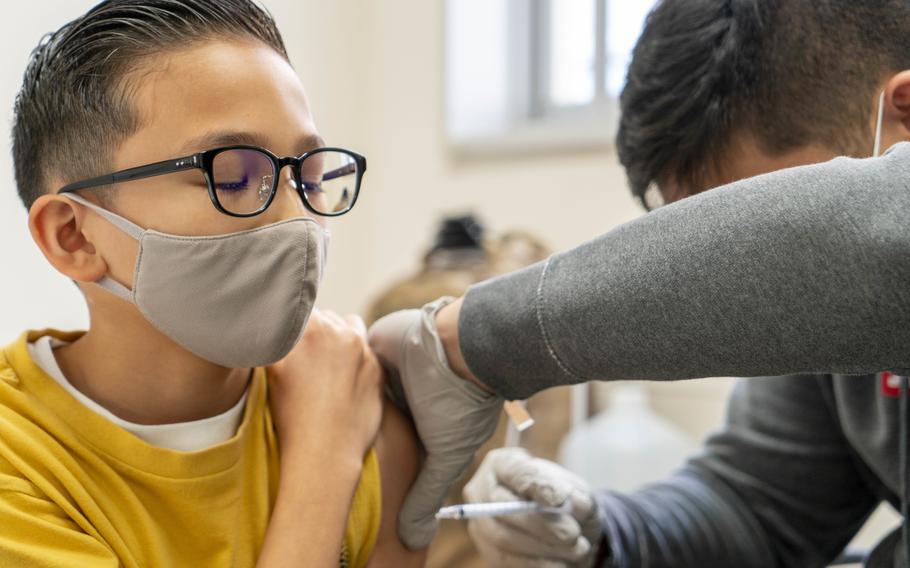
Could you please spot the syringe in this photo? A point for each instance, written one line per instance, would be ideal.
(478, 510)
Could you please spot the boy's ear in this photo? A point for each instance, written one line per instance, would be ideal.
(897, 100)
(57, 227)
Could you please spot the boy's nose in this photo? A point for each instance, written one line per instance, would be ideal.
(288, 202)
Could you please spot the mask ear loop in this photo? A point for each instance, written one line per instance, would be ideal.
(128, 227)
(124, 225)
(876, 148)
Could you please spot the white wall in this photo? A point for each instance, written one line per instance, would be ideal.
(414, 173)
(34, 295)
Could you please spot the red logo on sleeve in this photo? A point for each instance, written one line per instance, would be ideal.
(890, 384)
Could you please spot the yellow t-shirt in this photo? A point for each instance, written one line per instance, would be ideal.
(77, 490)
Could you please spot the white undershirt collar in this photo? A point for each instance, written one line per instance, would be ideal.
(182, 436)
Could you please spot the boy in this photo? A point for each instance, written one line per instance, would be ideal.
(171, 168)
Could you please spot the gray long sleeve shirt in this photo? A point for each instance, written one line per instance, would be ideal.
(800, 271)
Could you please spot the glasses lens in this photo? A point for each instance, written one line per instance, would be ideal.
(243, 180)
(330, 181)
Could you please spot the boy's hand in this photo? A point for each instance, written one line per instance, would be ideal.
(326, 394)
(326, 402)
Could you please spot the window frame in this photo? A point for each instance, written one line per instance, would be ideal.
(536, 125)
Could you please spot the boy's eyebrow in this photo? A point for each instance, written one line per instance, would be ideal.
(230, 137)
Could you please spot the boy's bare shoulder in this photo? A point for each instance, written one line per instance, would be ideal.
(396, 446)
(398, 453)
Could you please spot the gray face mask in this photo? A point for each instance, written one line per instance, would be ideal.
(238, 300)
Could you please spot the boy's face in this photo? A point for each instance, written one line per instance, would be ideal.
(212, 94)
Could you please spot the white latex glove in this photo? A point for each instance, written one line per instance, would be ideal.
(534, 540)
(453, 416)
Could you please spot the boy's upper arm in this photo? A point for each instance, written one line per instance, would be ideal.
(397, 450)
(38, 533)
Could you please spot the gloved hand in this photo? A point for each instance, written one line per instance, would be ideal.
(537, 540)
(453, 416)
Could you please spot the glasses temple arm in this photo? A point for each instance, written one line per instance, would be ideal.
(139, 172)
(338, 172)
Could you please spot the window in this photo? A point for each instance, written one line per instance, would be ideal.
(536, 74)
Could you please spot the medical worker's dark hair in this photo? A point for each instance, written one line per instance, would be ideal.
(789, 72)
(75, 107)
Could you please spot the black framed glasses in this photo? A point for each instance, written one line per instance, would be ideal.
(242, 180)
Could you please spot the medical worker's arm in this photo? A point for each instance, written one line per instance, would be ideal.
(801, 270)
(777, 487)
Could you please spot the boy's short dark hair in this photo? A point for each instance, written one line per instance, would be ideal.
(789, 72)
(74, 107)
